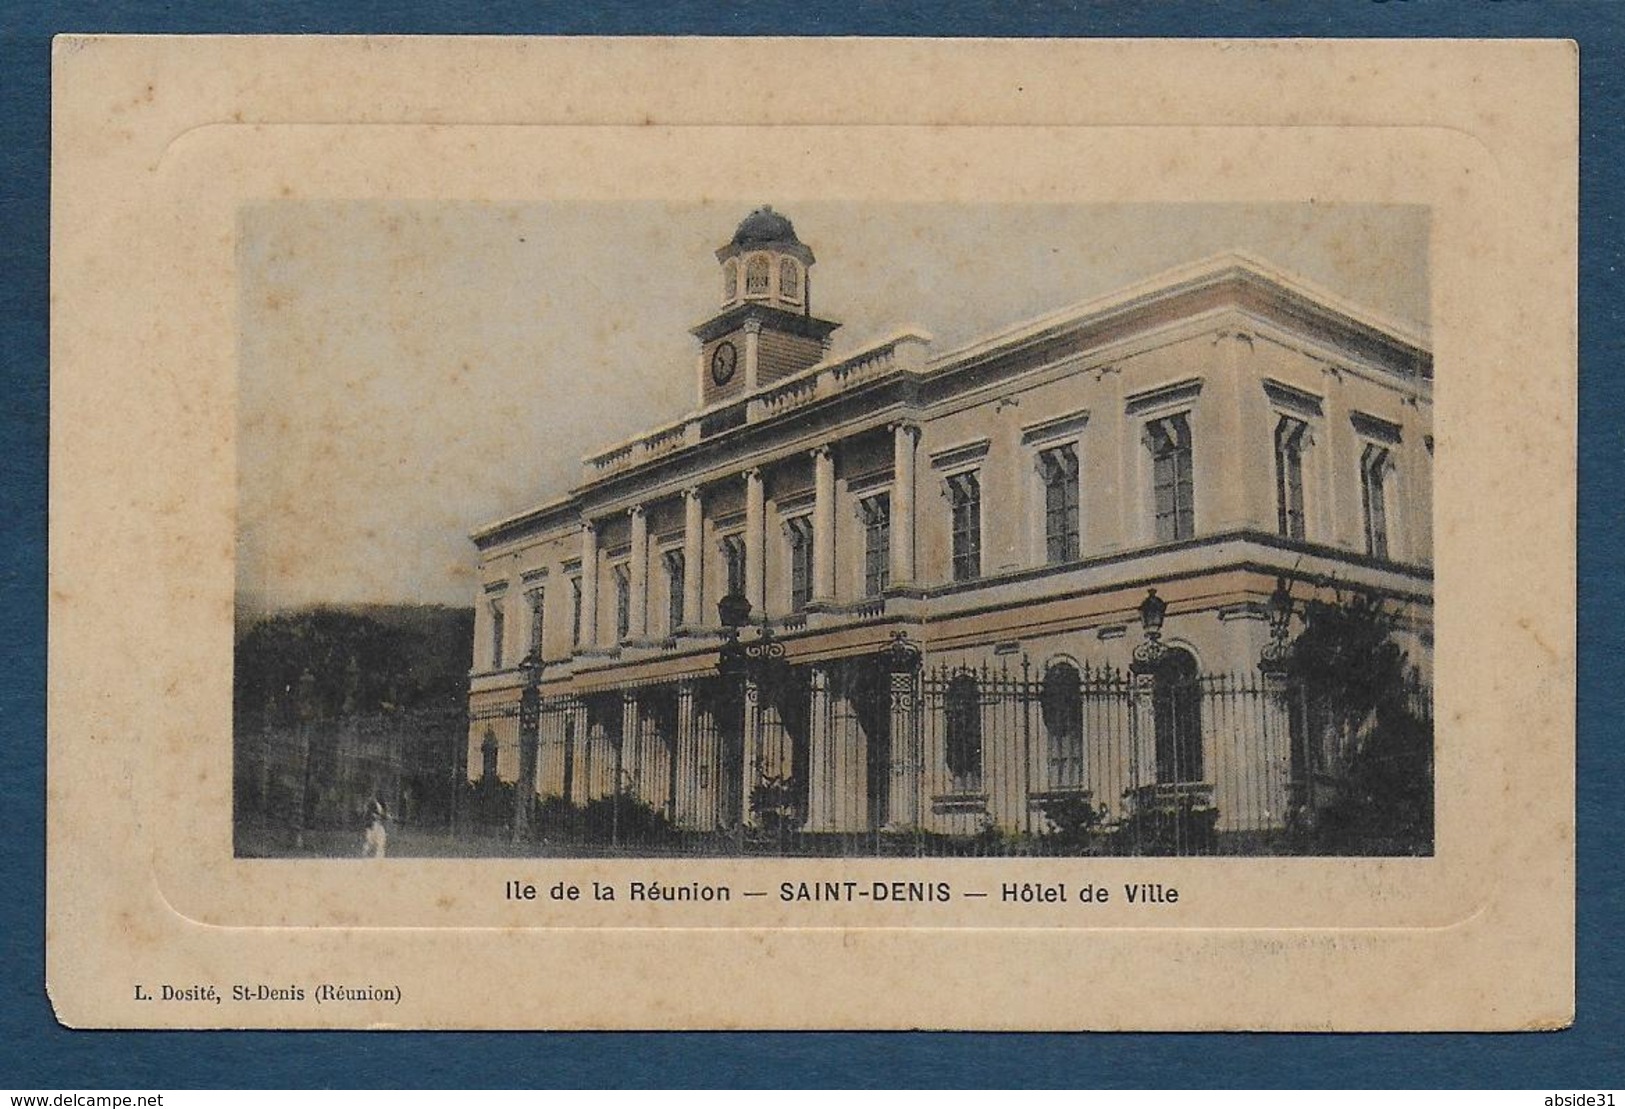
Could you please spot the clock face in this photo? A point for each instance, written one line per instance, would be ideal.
(723, 361)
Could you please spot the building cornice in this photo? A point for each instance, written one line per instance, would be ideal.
(896, 375)
(1237, 279)
(781, 319)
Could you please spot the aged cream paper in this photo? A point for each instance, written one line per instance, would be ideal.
(161, 145)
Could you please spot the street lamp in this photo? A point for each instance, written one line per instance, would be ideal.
(1279, 610)
(734, 612)
(1149, 655)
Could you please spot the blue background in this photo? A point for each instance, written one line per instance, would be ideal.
(34, 1050)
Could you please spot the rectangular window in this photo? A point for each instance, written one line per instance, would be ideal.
(965, 494)
(575, 612)
(1290, 438)
(1373, 475)
(623, 601)
(1169, 441)
(536, 625)
(733, 557)
(497, 634)
(674, 591)
(1059, 467)
(876, 513)
(799, 531)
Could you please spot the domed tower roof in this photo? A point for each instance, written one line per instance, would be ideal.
(765, 229)
(764, 226)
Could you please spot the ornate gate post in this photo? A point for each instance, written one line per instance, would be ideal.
(902, 659)
(750, 759)
(530, 720)
(1149, 657)
(1279, 805)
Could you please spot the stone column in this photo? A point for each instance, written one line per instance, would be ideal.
(685, 806)
(693, 524)
(637, 626)
(589, 584)
(904, 438)
(630, 779)
(753, 355)
(823, 762)
(755, 516)
(823, 582)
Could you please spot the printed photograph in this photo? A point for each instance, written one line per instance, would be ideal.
(803, 527)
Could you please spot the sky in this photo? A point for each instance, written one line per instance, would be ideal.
(409, 371)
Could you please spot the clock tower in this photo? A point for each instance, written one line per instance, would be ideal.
(765, 329)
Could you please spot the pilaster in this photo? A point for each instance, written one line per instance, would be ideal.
(693, 523)
(755, 522)
(589, 585)
(823, 526)
(638, 623)
(905, 437)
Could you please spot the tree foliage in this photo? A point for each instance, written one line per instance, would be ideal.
(325, 662)
(1366, 721)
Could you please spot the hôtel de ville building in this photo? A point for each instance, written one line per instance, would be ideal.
(1041, 584)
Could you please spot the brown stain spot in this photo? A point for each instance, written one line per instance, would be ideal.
(1528, 625)
(445, 901)
(276, 300)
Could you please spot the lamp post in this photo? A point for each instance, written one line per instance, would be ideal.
(734, 613)
(749, 670)
(1273, 659)
(1149, 654)
(761, 658)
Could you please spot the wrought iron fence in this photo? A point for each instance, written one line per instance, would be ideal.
(874, 756)
(864, 758)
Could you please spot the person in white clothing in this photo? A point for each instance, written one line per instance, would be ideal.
(373, 846)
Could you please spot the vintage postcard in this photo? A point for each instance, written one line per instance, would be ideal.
(812, 534)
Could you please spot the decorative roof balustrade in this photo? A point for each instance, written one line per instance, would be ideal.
(902, 352)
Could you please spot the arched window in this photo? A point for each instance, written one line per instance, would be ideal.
(964, 734)
(730, 280)
(789, 279)
(756, 276)
(1177, 705)
(1062, 703)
